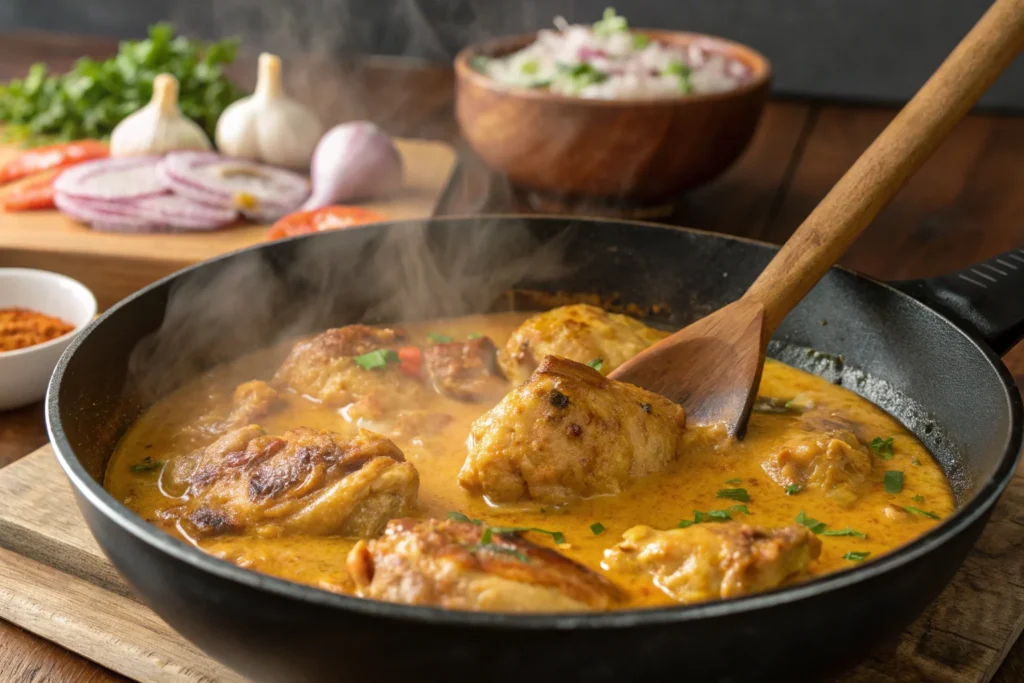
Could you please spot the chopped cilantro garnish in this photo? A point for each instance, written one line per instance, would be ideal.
(882, 447)
(893, 481)
(439, 338)
(923, 513)
(814, 525)
(597, 528)
(845, 532)
(734, 481)
(725, 515)
(376, 359)
(597, 363)
(793, 489)
(734, 494)
(459, 517)
(856, 556)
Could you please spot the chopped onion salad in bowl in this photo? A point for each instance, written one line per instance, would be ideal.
(606, 60)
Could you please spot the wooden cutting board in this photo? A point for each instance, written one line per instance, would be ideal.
(114, 264)
(57, 583)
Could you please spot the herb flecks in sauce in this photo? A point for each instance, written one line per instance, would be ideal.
(814, 525)
(855, 556)
(148, 464)
(375, 360)
(893, 481)
(845, 532)
(734, 494)
(882, 447)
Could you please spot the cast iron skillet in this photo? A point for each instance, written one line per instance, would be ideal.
(926, 351)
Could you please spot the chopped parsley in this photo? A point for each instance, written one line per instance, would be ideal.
(148, 464)
(597, 528)
(793, 489)
(597, 364)
(439, 338)
(856, 556)
(923, 513)
(459, 517)
(700, 517)
(814, 525)
(376, 359)
(882, 447)
(845, 532)
(893, 481)
(734, 494)
(556, 536)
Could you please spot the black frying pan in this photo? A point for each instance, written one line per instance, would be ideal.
(926, 351)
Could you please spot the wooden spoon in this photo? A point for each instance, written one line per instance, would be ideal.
(713, 366)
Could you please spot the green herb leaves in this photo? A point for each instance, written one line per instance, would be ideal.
(94, 96)
(487, 537)
(776, 406)
(893, 481)
(610, 23)
(683, 72)
(845, 532)
(882, 447)
(374, 360)
(597, 364)
(923, 513)
(147, 464)
(439, 338)
(855, 556)
(734, 494)
(597, 528)
(712, 516)
(814, 525)
(459, 517)
(581, 75)
(793, 489)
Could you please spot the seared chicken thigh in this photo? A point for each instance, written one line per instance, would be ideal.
(579, 332)
(569, 433)
(450, 564)
(465, 371)
(715, 560)
(302, 482)
(835, 462)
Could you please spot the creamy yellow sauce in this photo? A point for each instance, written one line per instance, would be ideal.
(708, 464)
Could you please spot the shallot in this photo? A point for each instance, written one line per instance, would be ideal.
(353, 161)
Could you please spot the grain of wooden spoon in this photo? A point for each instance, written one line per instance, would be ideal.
(713, 366)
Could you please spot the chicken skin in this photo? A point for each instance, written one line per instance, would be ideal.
(835, 462)
(465, 371)
(324, 367)
(579, 332)
(460, 565)
(569, 433)
(301, 482)
(715, 560)
(250, 402)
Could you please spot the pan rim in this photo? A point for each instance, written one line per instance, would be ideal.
(983, 501)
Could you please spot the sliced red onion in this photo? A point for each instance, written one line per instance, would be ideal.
(120, 219)
(257, 190)
(353, 161)
(184, 213)
(111, 179)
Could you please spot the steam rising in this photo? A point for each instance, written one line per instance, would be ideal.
(414, 271)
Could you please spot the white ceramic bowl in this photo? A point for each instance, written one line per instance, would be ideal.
(24, 373)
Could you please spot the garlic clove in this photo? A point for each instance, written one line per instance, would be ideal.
(268, 126)
(159, 127)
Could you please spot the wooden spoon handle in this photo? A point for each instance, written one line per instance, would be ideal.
(886, 165)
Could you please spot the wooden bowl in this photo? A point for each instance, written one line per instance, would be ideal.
(642, 150)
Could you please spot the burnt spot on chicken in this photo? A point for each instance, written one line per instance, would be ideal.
(207, 521)
(558, 399)
(465, 370)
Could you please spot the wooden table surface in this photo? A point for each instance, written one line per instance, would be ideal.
(965, 205)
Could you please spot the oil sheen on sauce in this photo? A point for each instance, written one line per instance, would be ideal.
(708, 464)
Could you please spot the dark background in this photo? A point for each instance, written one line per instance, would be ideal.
(870, 50)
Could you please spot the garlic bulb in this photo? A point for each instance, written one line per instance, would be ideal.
(159, 127)
(268, 126)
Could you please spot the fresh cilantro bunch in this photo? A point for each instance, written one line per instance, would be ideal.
(92, 98)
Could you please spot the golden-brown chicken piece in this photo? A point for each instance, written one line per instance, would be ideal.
(448, 564)
(465, 371)
(302, 482)
(579, 332)
(715, 560)
(570, 433)
(252, 401)
(835, 462)
(325, 368)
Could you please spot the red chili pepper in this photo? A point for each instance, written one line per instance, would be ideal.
(327, 218)
(52, 157)
(410, 360)
(33, 194)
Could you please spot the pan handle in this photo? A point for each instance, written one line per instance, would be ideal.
(987, 298)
